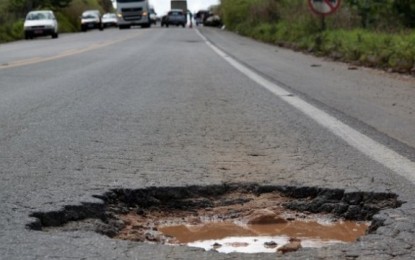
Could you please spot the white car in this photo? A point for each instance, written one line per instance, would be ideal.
(40, 23)
(91, 19)
(109, 20)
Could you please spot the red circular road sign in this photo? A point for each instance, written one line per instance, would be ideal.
(324, 7)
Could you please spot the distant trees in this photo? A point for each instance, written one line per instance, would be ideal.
(21, 7)
(38, 3)
(57, 3)
(384, 13)
(406, 11)
(106, 5)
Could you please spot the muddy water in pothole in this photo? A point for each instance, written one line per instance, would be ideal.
(238, 222)
(229, 237)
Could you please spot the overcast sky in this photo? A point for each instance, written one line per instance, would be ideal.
(162, 6)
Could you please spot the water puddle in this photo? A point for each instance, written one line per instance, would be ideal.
(245, 218)
(228, 237)
(254, 224)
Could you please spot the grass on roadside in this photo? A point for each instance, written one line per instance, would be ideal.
(290, 23)
(11, 31)
(374, 49)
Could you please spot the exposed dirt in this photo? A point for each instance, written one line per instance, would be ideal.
(243, 208)
(241, 215)
(146, 215)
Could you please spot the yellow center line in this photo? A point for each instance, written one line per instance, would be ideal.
(66, 53)
(23, 61)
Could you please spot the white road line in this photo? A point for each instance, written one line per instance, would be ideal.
(376, 151)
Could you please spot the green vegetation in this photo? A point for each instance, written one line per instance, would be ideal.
(376, 33)
(13, 12)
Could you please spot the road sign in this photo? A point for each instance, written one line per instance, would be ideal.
(324, 7)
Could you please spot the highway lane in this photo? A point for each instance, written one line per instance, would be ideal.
(43, 49)
(135, 108)
(382, 101)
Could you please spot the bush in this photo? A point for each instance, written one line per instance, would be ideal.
(11, 31)
(65, 24)
(234, 12)
(290, 23)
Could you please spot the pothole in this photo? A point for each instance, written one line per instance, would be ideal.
(239, 222)
(245, 218)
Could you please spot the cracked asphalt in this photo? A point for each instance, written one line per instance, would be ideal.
(160, 108)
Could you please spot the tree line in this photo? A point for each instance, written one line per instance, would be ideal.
(372, 12)
(369, 14)
(24, 6)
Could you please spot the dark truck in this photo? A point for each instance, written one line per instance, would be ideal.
(178, 4)
(174, 17)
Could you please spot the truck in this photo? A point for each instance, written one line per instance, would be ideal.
(133, 12)
(179, 4)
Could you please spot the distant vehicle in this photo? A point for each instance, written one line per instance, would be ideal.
(109, 20)
(213, 20)
(153, 16)
(163, 20)
(133, 12)
(174, 17)
(91, 19)
(201, 16)
(40, 23)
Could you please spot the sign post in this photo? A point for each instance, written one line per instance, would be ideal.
(324, 8)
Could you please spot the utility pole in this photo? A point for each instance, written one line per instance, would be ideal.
(323, 23)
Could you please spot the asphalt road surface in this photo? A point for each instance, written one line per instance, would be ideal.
(90, 112)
